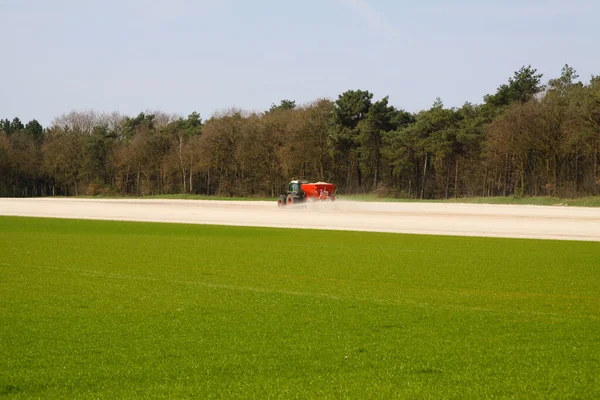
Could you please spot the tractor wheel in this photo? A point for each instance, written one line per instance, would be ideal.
(281, 201)
(290, 200)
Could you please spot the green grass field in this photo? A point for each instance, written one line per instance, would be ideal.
(92, 309)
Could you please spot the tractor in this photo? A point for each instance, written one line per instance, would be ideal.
(301, 191)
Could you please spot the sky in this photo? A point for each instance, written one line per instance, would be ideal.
(180, 56)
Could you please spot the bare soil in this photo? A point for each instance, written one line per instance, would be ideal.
(515, 221)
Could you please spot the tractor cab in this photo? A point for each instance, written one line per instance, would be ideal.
(295, 190)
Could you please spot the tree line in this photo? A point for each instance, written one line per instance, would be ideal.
(527, 139)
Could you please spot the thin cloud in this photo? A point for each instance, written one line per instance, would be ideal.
(540, 9)
(372, 18)
(160, 10)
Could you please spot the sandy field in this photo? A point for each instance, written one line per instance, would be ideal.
(515, 221)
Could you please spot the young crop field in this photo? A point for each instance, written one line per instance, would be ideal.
(99, 309)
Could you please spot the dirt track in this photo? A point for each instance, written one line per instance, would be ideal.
(565, 223)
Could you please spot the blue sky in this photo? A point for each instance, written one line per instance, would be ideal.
(180, 56)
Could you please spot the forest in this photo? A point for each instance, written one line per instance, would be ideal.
(530, 138)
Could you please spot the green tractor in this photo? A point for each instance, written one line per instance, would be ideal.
(294, 195)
